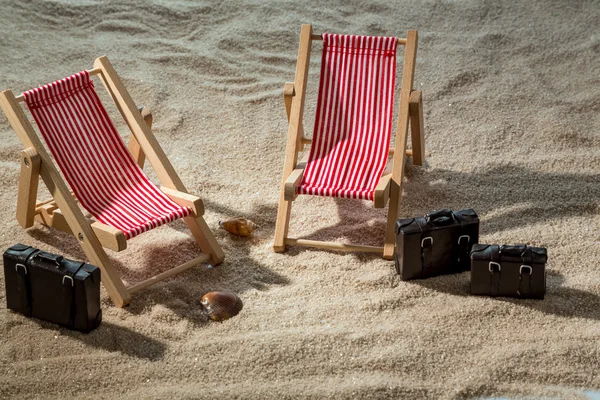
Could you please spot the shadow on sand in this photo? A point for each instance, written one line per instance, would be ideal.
(560, 300)
(182, 293)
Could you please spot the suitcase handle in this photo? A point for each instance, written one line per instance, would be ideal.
(513, 250)
(445, 216)
(50, 257)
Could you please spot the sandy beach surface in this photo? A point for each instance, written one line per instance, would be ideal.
(512, 117)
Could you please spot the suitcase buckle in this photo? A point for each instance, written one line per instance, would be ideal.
(427, 238)
(464, 236)
(20, 265)
(65, 277)
(496, 264)
(525, 266)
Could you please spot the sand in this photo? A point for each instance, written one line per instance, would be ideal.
(512, 115)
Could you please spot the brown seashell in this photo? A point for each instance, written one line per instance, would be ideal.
(220, 306)
(239, 226)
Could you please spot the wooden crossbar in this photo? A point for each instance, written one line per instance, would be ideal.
(92, 72)
(334, 246)
(308, 142)
(401, 41)
(173, 271)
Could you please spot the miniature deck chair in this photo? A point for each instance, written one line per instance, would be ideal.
(352, 133)
(106, 179)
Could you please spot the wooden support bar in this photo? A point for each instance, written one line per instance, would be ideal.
(167, 274)
(50, 216)
(408, 71)
(333, 246)
(295, 132)
(391, 152)
(288, 94)
(146, 139)
(29, 179)
(185, 200)
(41, 203)
(134, 146)
(401, 41)
(92, 72)
(416, 127)
(50, 202)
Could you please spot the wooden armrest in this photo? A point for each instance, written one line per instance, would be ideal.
(28, 186)
(382, 191)
(291, 183)
(185, 200)
(109, 237)
(294, 179)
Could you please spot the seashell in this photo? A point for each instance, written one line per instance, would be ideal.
(220, 306)
(239, 226)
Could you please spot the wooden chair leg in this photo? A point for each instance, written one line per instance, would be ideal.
(205, 239)
(283, 223)
(111, 278)
(28, 186)
(416, 127)
(390, 232)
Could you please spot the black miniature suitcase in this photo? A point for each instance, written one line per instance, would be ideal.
(508, 271)
(438, 243)
(52, 288)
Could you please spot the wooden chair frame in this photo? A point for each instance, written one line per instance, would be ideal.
(389, 186)
(62, 211)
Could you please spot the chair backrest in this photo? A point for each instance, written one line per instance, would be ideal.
(353, 122)
(94, 160)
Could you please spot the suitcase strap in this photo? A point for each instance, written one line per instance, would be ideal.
(68, 284)
(525, 274)
(24, 289)
(426, 251)
(464, 242)
(495, 271)
(24, 283)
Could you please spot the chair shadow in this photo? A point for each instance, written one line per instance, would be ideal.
(239, 272)
(560, 300)
(360, 223)
(110, 337)
(525, 197)
(506, 196)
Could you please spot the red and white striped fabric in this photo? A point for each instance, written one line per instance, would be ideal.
(353, 121)
(94, 160)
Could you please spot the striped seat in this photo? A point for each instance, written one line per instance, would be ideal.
(353, 122)
(94, 160)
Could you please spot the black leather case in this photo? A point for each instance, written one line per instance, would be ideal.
(436, 244)
(508, 271)
(52, 288)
